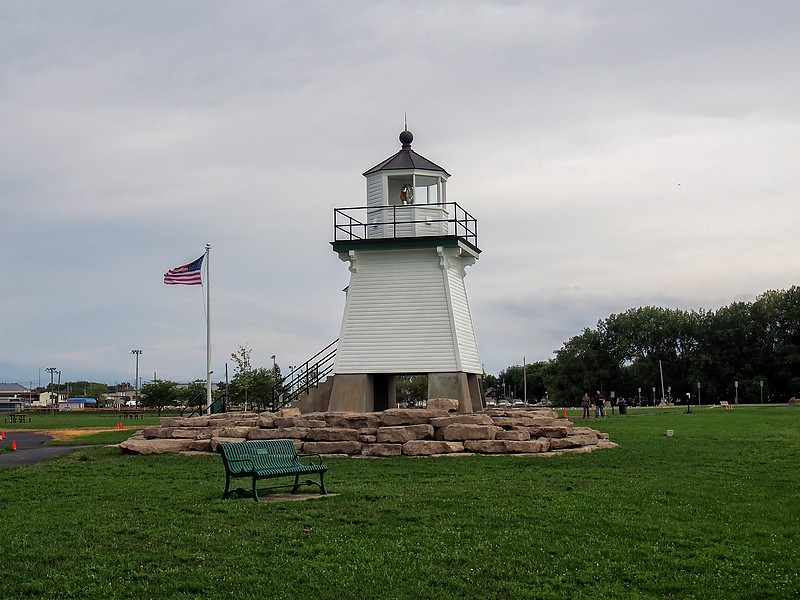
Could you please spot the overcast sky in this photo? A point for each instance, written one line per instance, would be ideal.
(616, 154)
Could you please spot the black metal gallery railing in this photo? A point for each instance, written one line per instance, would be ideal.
(404, 221)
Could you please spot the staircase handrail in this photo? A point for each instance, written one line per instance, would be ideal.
(304, 377)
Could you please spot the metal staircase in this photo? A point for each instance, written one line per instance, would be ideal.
(304, 377)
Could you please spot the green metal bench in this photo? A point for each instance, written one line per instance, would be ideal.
(268, 459)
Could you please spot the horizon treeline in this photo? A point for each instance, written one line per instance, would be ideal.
(744, 342)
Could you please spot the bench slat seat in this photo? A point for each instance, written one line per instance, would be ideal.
(267, 459)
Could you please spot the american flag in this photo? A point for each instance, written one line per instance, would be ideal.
(188, 274)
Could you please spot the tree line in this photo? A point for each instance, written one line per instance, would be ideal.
(746, 350)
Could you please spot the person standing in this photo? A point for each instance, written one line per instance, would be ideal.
(586, 402)
(599, 405)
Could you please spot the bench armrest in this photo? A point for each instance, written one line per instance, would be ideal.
(311, 456)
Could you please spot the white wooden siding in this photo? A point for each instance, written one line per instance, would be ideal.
(375, 200)
(469, 358)
(374, 190)
(398, 316)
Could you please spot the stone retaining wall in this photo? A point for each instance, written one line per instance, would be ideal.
(394, 432)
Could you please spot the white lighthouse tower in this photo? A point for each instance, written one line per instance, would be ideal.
(406, 311)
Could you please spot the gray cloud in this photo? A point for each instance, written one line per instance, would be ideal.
(615, 154)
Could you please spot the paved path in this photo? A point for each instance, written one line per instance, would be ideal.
(29, 449)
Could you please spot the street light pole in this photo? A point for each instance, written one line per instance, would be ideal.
(136, 380)
(52, 371)
(736, 386)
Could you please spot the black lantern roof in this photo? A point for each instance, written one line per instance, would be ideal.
(406, 159)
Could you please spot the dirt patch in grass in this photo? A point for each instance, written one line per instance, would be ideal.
(63, 435)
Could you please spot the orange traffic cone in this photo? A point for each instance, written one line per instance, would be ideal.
(565, 413)
(14, 445)
(2, 435)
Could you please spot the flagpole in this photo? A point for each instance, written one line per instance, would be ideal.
(208, 329)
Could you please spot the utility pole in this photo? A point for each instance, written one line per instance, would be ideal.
(52, 371)
(524, 382)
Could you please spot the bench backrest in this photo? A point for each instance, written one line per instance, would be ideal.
(263, 454)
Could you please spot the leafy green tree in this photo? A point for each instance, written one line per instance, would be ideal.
(411, 389)
(159, 394)
(262, 381)
(743, 342)
(242, 381)
(193, 394)
(490, 381)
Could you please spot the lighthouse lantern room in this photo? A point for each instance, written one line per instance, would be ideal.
(406, 310)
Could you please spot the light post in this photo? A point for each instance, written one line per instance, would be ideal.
(136, 380)
(524, 382)
(761, 385)
(698, 393)
(639, 403)
(736, 387)
(274, 366)
(52, 371)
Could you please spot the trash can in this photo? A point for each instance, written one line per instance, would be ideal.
(623, 408)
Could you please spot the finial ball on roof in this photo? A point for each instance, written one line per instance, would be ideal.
(406, 137)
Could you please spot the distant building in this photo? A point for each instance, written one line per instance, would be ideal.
(49, 399)
(14, 396)
(77, 403)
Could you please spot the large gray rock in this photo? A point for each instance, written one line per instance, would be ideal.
(459, 432)
(509, 421)
(216, 441)
(310, 423)
(155, 446)
(471, 418)
(532, 446)
(193, 433)
(202, 421)
(407, 416)
(382, 450)
(573, 441)
(290, 433)
(351, 447)
(430, 447)
(157, 432)
(518, 435)
(232, 432)
(266, 420)
(203, 445)
(281, 422)
(357, 419)
(485, 446)
(332, 434)
(404, 433)
(549, 432)
(443, 404)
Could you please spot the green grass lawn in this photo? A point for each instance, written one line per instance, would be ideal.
(102, 420)
(712, 512)
(80, 418)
